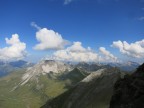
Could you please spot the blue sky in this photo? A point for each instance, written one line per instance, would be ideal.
(93, 23)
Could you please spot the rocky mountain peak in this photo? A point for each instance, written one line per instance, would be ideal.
(44, 67)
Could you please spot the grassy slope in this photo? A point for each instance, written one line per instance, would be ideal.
(33, 94)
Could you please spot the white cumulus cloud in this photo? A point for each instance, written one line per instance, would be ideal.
(76, 53)
(107, 56)
(49, 39)
(131, 49)
(15, 51)
(77, 47)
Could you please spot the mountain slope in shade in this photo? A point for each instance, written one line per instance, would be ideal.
(129, 91)
(74, 76)
(94, 91)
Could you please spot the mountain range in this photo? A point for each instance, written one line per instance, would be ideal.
(126, 66)
(57, 84)
(31, 87)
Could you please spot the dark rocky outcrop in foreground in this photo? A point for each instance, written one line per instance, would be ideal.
(129, 92)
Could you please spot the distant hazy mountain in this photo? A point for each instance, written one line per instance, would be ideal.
(94, 91)
(7, 67)
(127, 66)
(90, 67)
(21, 64)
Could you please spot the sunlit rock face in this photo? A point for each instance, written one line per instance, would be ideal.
(43, 68)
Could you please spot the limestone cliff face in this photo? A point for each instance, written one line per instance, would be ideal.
(129, 92)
